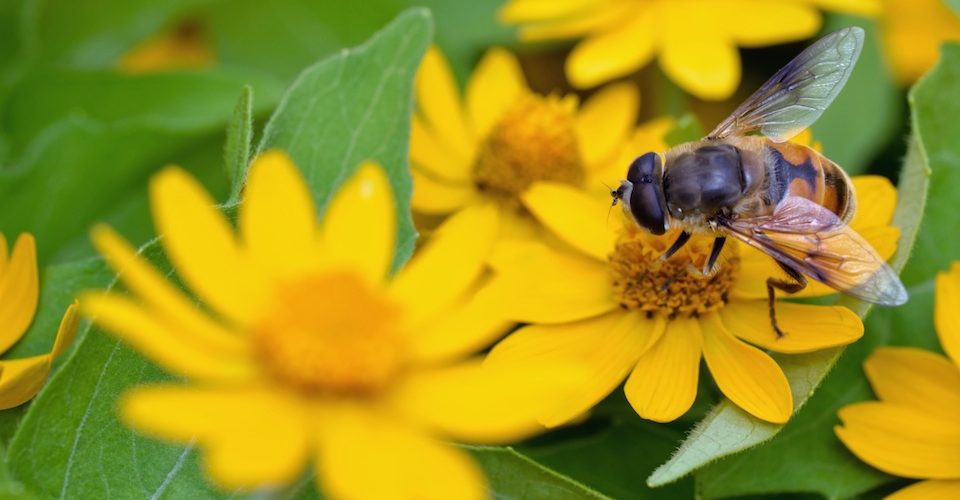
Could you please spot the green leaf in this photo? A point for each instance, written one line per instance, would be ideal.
(70, 442)
(250, 33)
(187, 102)
(353, 107)
(612, 455)
(512, 475)
(686, 129)
(727, 429)
(59, 284)
(236, 150)
(807, 455)
(866, 115)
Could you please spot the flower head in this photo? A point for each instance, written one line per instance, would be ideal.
(21, 379)
(912, 430)
(503, 138)
(182, 46)
(912, 33)
(696, 40)
(610, 302)
(306, 349)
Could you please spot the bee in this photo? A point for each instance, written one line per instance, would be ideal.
(745, 181)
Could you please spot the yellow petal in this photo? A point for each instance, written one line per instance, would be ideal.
(745, 374)
(201, 245)
(663, 383)
(250, 438)
(448, 265)
(22, 379)
(67, 329)
(947, 311)
(876, 201)
(758, 23)
(616, 52)
(430, 155)
(359, 227)
(160, 295)
(862, 7)
(807, 327)
(436, 196)
(698, 54)
(931, 489)
(596, 19)
(277, 219)
(607, 347)
(901, 441)
(486, 403)
(519, 11)
(536, 284)
(176, 350)
(470, 325)
(365, 455)
(883, 239)
(439, 103)
(574, 216)
(916, 379)
(19, 289)
(606, 120)
(496, 83)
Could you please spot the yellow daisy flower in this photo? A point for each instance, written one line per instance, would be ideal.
(912, 33)
(501, 138)
(696, 41)
(306, 350)
(22, 379)
(613, 305)
(914, 430)
(184, 46)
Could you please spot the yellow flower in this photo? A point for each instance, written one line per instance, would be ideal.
(183, 46)
(613, 305)
(695, 40)
(914, 430)
(502, 138)
(22, 379)
(306, 350)
(912, 33)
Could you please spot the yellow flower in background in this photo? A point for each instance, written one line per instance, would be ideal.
(914, 430)
(502, 138)
(912, 33)
(695, 41)
(184, 46)
(307, 350)
(21, 379)
(613, 305)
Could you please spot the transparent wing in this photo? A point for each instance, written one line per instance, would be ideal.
(796, 96)
(814, 241)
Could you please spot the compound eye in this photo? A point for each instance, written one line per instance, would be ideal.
(647, 203)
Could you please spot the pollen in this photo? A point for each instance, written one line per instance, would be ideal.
(535, 140)
(642, 280)
(331, 334)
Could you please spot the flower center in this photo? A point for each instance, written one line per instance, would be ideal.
(672, 287)
(534, 141)
(331, 333)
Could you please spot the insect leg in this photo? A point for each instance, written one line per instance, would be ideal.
(677, 245)
(799, 283)
(714, 253)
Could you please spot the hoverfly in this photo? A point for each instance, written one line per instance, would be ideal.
(744, 180)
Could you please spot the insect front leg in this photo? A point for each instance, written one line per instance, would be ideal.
(677, 245)
(799, 283)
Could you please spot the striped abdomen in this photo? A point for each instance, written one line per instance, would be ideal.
(799, 170)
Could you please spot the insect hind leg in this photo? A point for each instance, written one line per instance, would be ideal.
(799, 282)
